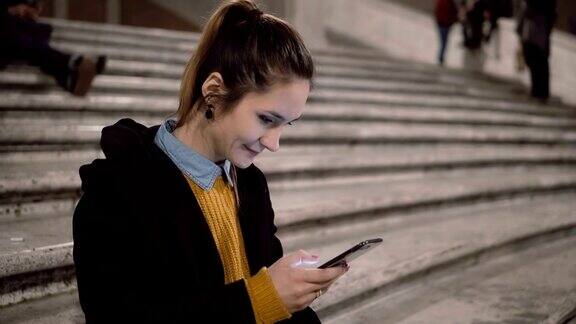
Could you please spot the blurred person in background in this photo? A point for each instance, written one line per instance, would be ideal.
(23, 38)
(472, 14)
(535, 23)
(446, 14)
(495, 9)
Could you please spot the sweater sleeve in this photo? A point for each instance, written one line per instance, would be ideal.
(267, 305)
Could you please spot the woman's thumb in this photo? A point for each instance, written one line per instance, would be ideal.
(299, 257)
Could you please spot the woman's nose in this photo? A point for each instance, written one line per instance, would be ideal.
(271, 139)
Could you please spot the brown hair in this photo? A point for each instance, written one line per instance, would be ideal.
(250, 49)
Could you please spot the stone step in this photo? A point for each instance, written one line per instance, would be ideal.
(470, 85)
(368, 62)
(179, 55)
(78, 130)
(392, 157)
(26, 178)
(337, 66)
(432, 242)
(426, 243)
(115, 35)
(430, 115)
(305, 202)
(95, 34)
(301, 204)
(349, 103)
(38, 183)
(31, 80)
(455, 102)
(535, 285)
(131, 37)
(144, 41)
(334, 66)
(67, 29)
(61, 25)
(318, 108)
(41, 172)
(315, 112)
(138, 80)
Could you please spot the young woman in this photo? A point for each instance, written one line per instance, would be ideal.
(175, 225)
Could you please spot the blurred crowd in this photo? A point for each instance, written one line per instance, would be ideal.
(479, 20)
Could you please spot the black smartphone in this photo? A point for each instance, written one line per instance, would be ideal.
(352, 253)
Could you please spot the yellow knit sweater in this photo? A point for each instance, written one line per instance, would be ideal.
(219, 208)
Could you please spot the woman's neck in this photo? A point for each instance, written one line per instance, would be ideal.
(196, 134)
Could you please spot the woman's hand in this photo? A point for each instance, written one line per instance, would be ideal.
(298, 287)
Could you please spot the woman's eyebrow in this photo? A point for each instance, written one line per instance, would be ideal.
(277, 115)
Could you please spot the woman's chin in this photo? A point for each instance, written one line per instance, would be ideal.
(242, 163)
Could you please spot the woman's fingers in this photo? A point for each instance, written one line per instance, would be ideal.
(323, 276)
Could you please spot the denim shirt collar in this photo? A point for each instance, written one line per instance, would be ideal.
(198, 168)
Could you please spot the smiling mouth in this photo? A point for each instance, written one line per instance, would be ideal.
(250, 150)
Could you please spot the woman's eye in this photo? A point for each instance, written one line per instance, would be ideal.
(265, 120)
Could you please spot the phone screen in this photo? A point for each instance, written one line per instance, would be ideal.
(352, 253)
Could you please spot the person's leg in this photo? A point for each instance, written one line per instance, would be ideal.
(74, 73)
(537, 61)
(542, 75)
(43, 56)
(529, 58)
(443, 36)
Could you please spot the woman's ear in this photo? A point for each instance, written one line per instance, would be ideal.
(213, 85)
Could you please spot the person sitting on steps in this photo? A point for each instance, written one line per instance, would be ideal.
(24, 39)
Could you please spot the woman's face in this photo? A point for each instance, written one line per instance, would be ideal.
(257, 122)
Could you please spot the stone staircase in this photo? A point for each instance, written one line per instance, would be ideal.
(471, 186)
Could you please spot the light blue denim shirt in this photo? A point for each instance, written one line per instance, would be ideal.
(195, 166)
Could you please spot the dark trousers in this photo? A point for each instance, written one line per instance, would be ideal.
(537, 61)
(443, 32)
(28, 41)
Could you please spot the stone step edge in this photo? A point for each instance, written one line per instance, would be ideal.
(565, 312)
(84, 26)
(68, 190)
(35, 285)
(104, 103)
(449, 264)
(17, 81)
(100, 110)
(60, 255)
(346, 170)
(313, 116)
(306, 218)
(87, 27)
(35, 260)
(303, 140)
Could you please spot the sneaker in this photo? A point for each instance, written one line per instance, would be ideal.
(81, 76)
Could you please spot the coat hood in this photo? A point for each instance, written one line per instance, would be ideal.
(126, 143)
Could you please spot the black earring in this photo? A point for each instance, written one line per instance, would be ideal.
(209, 113)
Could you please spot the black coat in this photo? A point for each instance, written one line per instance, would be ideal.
(142, 248)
